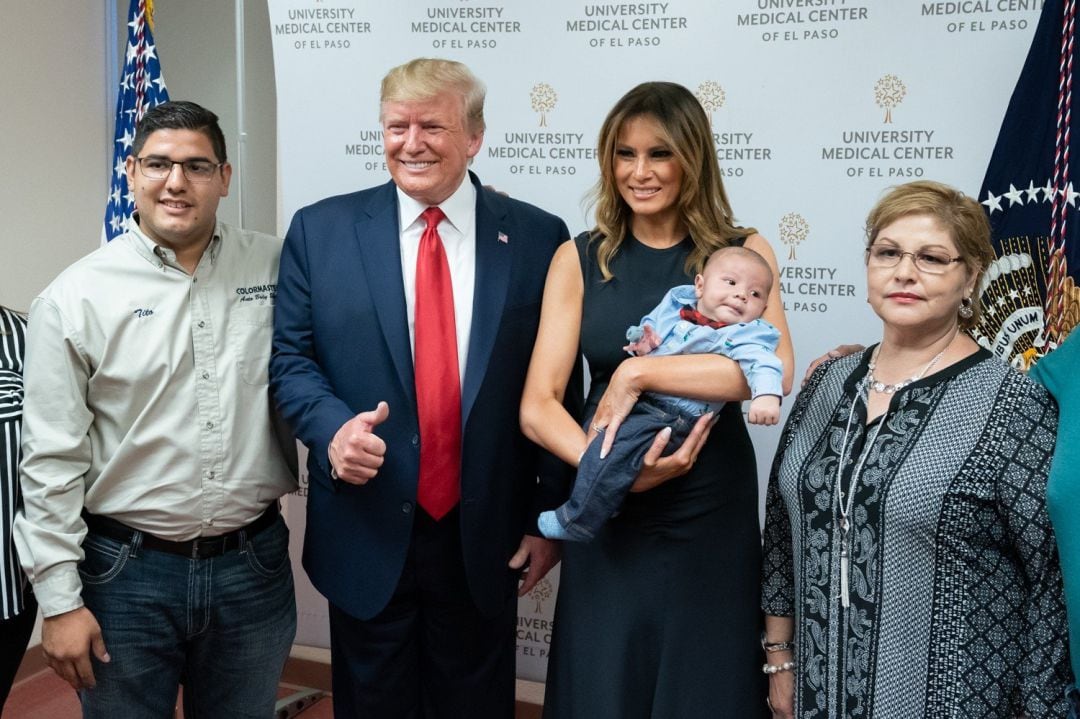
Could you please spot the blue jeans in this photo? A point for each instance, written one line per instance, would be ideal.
(1072, 693)
(221, 626)
(602, 484)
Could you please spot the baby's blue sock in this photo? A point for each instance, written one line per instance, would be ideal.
(550, 527)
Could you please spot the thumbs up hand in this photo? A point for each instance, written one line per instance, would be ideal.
(356, 452)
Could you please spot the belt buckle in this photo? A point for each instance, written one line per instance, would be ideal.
(203, 548)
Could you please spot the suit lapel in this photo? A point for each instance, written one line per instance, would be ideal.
(379, 239)
(493, 254)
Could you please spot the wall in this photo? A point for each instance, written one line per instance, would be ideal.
(56, 93)
(196, 40)
(55, 141)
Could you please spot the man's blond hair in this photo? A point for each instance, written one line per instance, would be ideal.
(424, 78)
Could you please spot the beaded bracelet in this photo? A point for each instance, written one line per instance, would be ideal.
(777, 668)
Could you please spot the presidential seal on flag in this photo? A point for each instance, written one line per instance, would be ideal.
(1029, 294)
(1030, 301)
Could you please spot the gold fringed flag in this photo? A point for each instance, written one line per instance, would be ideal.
(1031, 194)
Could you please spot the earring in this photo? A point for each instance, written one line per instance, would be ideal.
(965, 310)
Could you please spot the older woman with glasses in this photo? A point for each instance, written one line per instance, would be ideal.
(910, 568)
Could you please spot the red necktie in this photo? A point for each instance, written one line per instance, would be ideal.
(438, 389)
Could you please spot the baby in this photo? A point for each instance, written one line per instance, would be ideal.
(720, 313)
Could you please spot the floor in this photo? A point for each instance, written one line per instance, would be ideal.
(45, 696)
(39, 694)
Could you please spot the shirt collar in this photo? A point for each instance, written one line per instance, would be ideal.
(458, 208)
(157, 254)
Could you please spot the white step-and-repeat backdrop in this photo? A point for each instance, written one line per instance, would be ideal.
(817, 106)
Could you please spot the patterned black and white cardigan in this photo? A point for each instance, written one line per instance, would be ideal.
(956, 603)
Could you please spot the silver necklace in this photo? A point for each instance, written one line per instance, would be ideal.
(882, 388)
(843, 508)
(844, 504)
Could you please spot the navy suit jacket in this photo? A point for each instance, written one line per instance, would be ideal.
(341, 344)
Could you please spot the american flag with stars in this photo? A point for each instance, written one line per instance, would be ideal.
(141, 87)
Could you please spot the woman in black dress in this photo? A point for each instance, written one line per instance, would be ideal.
(658, 616)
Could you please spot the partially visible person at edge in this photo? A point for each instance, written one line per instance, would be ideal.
(18, 608)
(1057, 371)
(658, 616)
(151, 468)
(423, 498)
(910, 566)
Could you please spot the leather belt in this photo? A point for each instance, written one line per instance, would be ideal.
(198, 548)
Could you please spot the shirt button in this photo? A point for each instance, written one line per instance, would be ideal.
(201, 324)
(206, 375)
(415, 440)
(406, 507)
(209, 425)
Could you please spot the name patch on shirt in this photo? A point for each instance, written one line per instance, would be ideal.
(141, 312)
(260, 293)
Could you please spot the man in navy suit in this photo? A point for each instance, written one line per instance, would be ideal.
(402, 336)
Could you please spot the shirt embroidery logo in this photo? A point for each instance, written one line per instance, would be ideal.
(143, 312)
(257, 292)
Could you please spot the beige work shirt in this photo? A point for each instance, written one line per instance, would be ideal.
(146, 400)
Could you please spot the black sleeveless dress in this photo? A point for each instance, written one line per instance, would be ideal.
(659, 616)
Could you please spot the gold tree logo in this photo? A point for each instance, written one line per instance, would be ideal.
(711, 96)
(540, 594)
(543, 99)
(888, 93)
(793, 230)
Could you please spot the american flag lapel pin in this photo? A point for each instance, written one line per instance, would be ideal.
(503, 238)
